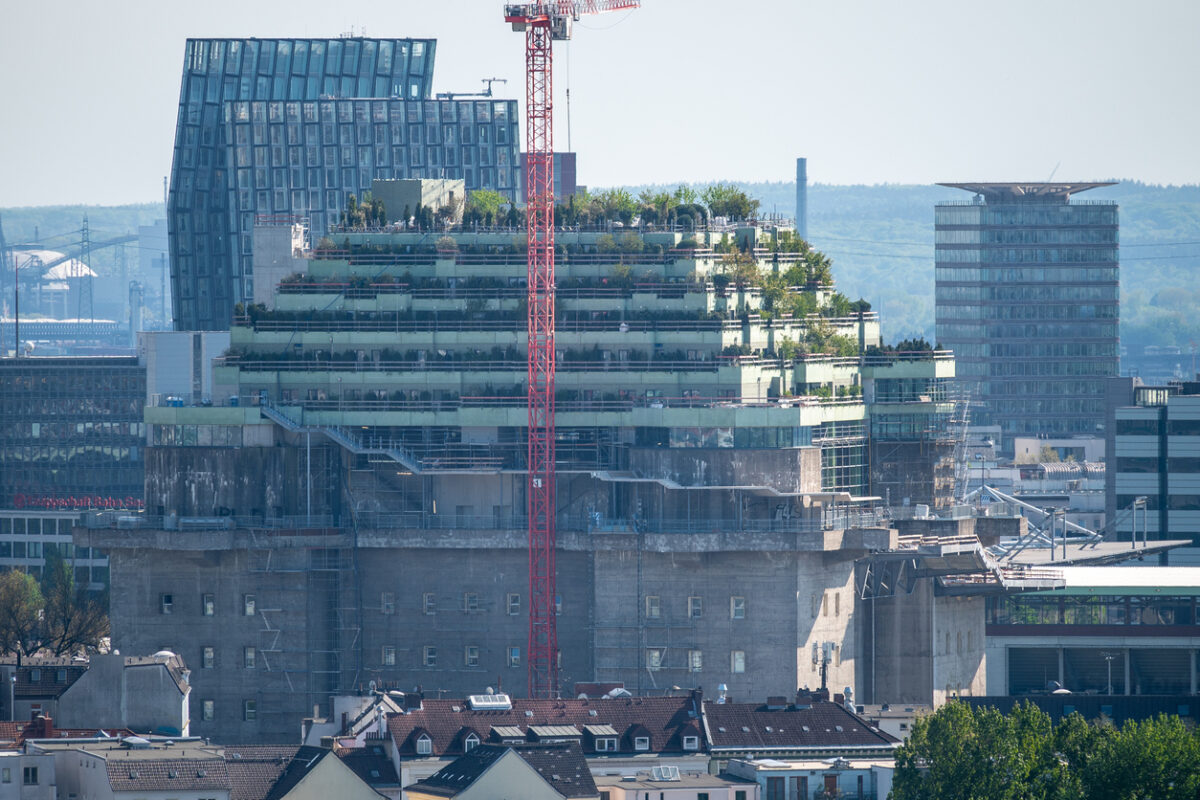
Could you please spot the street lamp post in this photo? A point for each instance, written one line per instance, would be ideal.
(1108, 657)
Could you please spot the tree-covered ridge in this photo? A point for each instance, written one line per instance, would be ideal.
(966, 753)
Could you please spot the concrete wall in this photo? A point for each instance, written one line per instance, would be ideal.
(243, 481)
(787, 470)
(927, 648)
(275, 258)
(784, 609)
(142, 697)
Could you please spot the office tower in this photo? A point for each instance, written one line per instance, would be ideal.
(1027, 297)
(1153, 476)
(292, 127)
(802, 198)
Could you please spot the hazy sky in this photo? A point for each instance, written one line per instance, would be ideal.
(871, 91)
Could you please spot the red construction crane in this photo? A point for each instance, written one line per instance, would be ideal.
(543, 23)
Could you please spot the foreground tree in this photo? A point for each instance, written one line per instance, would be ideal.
(59, 617)
(20, 614)
(73, 617)
(981, 754)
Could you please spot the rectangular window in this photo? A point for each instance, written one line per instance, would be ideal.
(641, 743)
(653, 606)
(429, 603)
(208, 657)
(775, 788)
(429, 656)
(654, 659)
(208, 605)
(470, 601)
(691, 743)
(513, 603)
(249, 657)
(167, 603)
(514, 656)
(207, 709)
(737, 661)
(249, 710)
(837, 604)
(389, 655)
(737, 608)
(31, 776)
(471, 655)
(695, 660)
(248, 605)
(387, 602)
(6, 775)
(695, 607)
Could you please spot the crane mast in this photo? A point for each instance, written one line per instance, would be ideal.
(543, 23)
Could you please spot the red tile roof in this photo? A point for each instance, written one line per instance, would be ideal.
(666, 721)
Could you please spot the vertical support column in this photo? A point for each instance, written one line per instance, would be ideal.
(1125, 653)
(1062, 678)
(1192, 664)
(539, 183)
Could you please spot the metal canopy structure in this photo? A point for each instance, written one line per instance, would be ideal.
(999, 192)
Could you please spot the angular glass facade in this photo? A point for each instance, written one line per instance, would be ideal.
(71, 433)
(293, 127)
(1028, 299)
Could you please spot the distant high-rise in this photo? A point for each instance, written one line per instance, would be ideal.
(277, 127)
(802, 198)
(1028, 299)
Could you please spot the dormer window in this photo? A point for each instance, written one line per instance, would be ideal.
(641, 743)
(470, 743)
(691, 743)
(425, 745)
(606, 744)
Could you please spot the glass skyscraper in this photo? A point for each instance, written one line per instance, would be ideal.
(271, 127)
(1028, 299)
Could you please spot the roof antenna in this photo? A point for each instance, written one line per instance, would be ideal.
(1056, 166)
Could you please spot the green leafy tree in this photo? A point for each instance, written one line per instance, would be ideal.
(21, 605)
(486, 202)
(726, 200)
(73, 618)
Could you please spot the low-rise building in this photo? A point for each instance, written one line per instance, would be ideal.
(1108, 630)
(146, 694)
(26, 776)
(621, 735)
(534, 772)
(134, 768)
(860, 779)
(668, 783)
(811, 727)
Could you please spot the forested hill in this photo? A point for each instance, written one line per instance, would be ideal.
(881, 242)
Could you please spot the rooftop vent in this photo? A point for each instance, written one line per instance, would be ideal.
(490, 702)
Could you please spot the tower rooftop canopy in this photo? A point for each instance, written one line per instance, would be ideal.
(1016, 192)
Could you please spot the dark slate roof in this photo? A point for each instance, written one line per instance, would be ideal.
(167, 775)
(47, 678)
(302, 763)
(666, 721)
(254, 769)
(823, 726)
(370, 763)
(561, 765)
